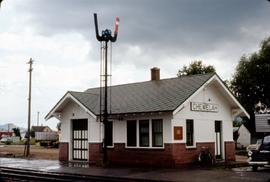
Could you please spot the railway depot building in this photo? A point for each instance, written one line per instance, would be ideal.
(161, 122)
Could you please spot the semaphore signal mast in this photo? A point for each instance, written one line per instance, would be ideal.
(106, 36)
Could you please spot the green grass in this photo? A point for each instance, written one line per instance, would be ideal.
(22, 142)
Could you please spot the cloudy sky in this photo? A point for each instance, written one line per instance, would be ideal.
(59, 36)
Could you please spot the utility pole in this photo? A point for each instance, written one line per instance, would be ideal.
(37, 118)
(29, 108)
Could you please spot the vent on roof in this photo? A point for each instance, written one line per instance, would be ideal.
(155, 73)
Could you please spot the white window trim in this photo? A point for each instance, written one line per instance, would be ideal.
(150, 136)
(191, 147)
(127, 147)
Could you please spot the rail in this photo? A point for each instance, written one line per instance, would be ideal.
(16, 174)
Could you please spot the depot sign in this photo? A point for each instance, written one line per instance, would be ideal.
(203, 107)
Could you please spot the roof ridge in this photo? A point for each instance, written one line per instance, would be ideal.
(70, 91)
(184, 76)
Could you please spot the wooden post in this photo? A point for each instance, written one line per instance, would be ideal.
(27, 153)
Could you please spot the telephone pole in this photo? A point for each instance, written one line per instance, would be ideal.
(37, 118)
(29, 108)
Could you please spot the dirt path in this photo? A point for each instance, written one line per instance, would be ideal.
(36, 152)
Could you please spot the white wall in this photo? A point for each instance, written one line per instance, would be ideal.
(120, 130)
(73, 111)
(95, 129)
(204, 122)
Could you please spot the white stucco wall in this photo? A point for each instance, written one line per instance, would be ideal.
(95, 129)
(73, 111)
(120, 129)
(204, 122)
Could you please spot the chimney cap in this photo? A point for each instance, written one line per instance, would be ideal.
(155, 68)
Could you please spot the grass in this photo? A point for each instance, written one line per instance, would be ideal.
(22, 142)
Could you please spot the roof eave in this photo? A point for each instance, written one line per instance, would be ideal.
(68, 95)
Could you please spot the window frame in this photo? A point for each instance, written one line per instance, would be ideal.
(112, 144)
(150, 134)
(144, 133)
(157, 133)
(192, 144)
(127, 130)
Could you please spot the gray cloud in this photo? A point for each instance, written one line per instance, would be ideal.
(58, 34)
(189, 26)
(159, 28)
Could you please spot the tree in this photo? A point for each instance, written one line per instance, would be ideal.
(32, 134)
(196, 67)
(17, 132)
(251, 81)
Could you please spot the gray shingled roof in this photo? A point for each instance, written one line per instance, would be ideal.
(150, 96)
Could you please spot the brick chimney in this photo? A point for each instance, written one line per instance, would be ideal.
(155, 74)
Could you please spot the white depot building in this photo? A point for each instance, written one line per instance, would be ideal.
(161, 122)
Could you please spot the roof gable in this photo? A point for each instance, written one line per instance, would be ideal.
(237, 108)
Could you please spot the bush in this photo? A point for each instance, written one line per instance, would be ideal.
(8, 142)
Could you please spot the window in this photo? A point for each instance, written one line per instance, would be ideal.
(189, 132)
(132, 133)
(139, 132)
(109, 133)
(157, 133)
(144, 133)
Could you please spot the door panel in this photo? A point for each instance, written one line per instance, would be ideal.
(79, 139)
(218, 146)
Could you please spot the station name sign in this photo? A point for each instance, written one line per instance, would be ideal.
(204, 107)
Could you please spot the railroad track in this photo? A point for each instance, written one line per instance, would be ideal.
(15, 174)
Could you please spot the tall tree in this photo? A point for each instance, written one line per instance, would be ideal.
(251, 81)
(196, 67)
